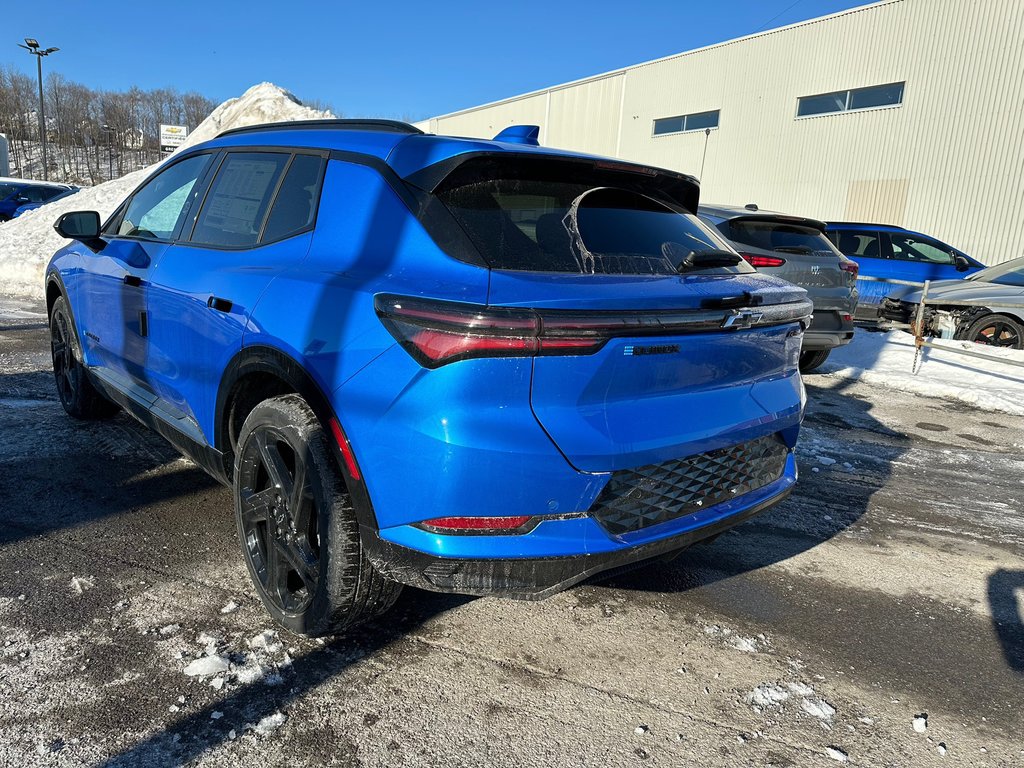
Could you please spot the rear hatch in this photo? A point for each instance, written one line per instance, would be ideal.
(688, 359)
(796, 250)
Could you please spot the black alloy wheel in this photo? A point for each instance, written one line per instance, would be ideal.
(997, 331)
(278, 520)
(74, 386)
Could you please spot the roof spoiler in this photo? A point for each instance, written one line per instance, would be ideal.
(520, 134)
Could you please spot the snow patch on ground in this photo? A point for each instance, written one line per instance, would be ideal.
(28, 242)
(887, 359)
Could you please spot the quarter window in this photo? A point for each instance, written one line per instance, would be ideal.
(875, 96)
(156, 210)
(295, 204)
(698, 121)
(238, 200)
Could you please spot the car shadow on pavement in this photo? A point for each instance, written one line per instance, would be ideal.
(1006, 602)
(190, 736)
(845, 456)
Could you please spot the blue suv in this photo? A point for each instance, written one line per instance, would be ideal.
(471, 366)
(887, 253)
(18, 193)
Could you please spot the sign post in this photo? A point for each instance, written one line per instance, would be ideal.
(172, 137)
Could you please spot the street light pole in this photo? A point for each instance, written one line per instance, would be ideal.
(32, 46)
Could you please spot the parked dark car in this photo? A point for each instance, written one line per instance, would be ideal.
(987, 307)
(795, 249)
(894, 253)
(33, 206)
(15, 193)
(471, 366)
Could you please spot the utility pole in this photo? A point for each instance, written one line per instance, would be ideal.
(32, 46)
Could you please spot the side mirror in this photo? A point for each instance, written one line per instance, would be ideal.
(962, 264)
(83, 226)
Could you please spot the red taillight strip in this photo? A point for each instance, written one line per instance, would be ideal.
(345, 448)
(437, 332)
(756, 260)
(515, 524)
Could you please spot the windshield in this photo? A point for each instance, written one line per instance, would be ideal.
(1010, 273)
(779, 236)
(541, 217)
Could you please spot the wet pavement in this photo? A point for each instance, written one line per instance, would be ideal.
(889, 587)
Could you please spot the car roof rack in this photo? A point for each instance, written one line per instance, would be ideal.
(386, 126)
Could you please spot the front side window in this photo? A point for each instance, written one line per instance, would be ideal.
(239, 197)
(155, 211)
(698, 121)
(914, 248)
(872, 97)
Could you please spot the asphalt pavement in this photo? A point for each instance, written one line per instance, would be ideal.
(874, 618)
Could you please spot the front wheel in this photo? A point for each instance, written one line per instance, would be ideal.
(297, 526)
(74, 387)
(995, 331)
(811, 361)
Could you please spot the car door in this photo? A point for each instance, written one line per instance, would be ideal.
(112, 291)
(865, 246)
(255, 221)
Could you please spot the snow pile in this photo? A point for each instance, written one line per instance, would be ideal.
(887, 359)
(28, 242)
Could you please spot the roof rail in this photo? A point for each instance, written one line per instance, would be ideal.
(387, 126)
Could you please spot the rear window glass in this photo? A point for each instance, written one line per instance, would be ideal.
(525, 219)
(775, 236)
(238, 199)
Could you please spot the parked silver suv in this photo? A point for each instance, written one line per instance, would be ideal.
(796, 249)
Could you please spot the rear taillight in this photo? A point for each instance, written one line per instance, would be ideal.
(850, 266)
(756, 260)
(437, 333)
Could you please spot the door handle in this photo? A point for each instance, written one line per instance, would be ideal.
(221, 305)
(133, 280)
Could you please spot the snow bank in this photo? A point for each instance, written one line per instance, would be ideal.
(28, 242)
(886, 359)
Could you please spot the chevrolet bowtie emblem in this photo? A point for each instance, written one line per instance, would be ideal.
(742, 319)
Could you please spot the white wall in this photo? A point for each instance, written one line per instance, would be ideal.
(949, 161)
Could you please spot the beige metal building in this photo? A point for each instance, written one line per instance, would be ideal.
(907, 112)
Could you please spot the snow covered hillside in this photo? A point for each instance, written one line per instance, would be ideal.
(28, 242)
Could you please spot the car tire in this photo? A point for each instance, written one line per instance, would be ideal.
(75, 389)
(811, 361)
(995, 331)
(297, 525)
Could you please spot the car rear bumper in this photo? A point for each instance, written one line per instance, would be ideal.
(829, 329)
(516, 566)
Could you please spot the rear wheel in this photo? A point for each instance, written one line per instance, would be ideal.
(74, 387)
(995, 331)
(811, 361)
(297, 526)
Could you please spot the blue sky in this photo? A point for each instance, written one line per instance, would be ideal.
(392, 59)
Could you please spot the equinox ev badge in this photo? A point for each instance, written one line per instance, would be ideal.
(631, 350)
(742, 320)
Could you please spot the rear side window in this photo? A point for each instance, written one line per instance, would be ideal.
(542, 218)
(295, 205)
(856, 242)
(777, 236)
(238, 200)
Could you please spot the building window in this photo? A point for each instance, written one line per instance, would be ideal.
(698, 121)
(890, 95)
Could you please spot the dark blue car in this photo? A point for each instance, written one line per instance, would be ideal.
(471, 366)
(889, 253)
(15, 193)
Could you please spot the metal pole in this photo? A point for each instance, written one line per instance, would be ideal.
(42, 114)
(707, 135)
